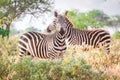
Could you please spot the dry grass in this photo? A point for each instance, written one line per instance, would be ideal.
(98, 59)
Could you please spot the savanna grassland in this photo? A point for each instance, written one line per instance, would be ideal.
(76, 65)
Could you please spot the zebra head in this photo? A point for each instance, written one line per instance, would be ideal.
(51, 27)
(58, 23)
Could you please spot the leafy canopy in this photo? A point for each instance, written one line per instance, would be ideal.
(94, 18)
(13, 9)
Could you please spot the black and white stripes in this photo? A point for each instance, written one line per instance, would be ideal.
(78, 37)
(43, 46)
(54, 45)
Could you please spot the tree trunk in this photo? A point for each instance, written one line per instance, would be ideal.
(8, 29)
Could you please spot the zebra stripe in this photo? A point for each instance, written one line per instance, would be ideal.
(78, 37)
(41, 45)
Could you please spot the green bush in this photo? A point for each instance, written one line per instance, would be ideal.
(5, 67)
(116, 35)
(4, 32)
(26, 69)
(8, 46)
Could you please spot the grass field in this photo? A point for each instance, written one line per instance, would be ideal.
(76, 65)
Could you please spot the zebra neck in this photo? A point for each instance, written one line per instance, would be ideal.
(62, 32)
(60, 36)
(69, 31)
(59, 40)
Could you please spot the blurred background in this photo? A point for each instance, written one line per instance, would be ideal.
(23, 16)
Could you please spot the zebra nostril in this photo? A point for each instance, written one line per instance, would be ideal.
(48, 30)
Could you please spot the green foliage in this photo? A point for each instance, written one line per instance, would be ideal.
(99, 15)
(83, 20)
(4, 33)
(8, 46)
(4, 67)
(4, 2)
(1, 13)
(13, 9)
(26, 69)
(116, 35)
(113, 21)
(77, 20)
(22, 69)
(4, 20)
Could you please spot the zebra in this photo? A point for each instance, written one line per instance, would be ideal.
(46, 46)
(77, 37)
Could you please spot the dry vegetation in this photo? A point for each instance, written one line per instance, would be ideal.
(77, 64)
(107, 64)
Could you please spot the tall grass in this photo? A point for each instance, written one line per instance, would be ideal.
(77, 64)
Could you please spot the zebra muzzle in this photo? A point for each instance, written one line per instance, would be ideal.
(48, 30)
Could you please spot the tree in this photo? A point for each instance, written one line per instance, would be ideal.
(114, 21)
(13, 9)
(99, 15)
(94, 18)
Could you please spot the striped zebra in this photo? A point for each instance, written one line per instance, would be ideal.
(78, 37)
(43, 46)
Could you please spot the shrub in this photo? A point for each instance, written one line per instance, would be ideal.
(8, 46)
(116, 35)
(5, 67)
(4, 32)
(90, 65)
(26, 69)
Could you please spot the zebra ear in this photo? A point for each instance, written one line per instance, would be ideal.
(66, 12)
(55, 14)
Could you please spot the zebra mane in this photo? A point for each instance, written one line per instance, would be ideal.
(70, 21)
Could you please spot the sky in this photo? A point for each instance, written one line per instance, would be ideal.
(110, 7)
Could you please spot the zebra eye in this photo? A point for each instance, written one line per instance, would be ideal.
(54, 22)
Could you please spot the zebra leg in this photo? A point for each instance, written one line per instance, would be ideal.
(107, 48)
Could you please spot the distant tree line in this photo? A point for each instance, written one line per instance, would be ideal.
(94, 18)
